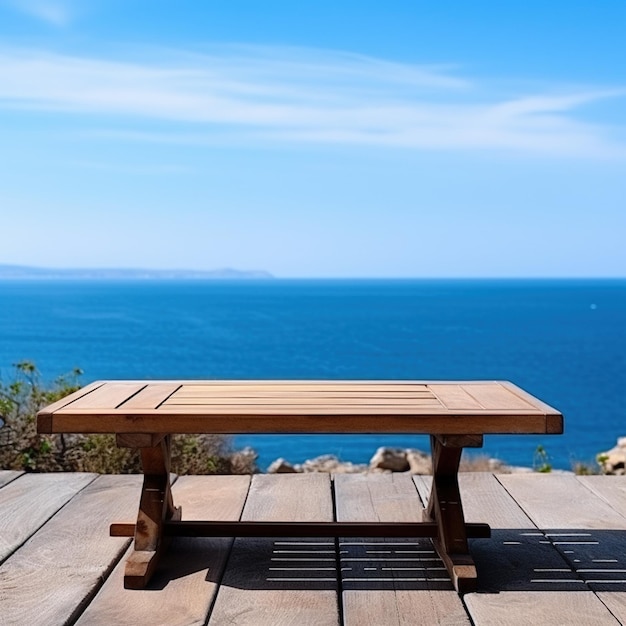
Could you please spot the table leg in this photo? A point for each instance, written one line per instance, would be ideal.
(155, 507)
(445, 508)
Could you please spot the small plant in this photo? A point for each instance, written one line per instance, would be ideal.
(602, 459)
(584, 469)
(22, 448)
(541, 461)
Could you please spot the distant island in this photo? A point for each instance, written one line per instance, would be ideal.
(24, 272)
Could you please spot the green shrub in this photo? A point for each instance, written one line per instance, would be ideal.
(541, 461)
(22, 448)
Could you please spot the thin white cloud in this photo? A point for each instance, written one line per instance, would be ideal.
(294, 95)
(55, 12)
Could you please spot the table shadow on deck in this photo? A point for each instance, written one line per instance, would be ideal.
(514, 560)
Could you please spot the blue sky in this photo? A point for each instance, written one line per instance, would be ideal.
(315, 139)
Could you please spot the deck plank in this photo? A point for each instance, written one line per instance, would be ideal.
(390, 581)
(523, 577)
(589, 527)
(55, 574)
(271, 582)
(571, 570)
(184, 586)
(6, 476)
(611, 489)
(28, 502)
(581, 526)
(561, 501)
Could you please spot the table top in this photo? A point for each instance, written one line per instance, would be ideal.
(294, 406)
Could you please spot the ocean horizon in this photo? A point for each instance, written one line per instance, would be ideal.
(563, 340)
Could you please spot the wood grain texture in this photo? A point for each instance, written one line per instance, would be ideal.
(586, 523)
(303, 406)
(278, 582)
(151, 396)
(522, 608)
(28, 502)
(484, 500)
(495, 396)
(304, 389)
(72, 397)
(611, 489)
(523, 578)
(155, 506)
(53, 576)
(229, 420)
(527, 575)
(184, 586)
(390, 581)
(6, 476)
(454, 397)
(561, 501)
(294, 404)
(109, 395)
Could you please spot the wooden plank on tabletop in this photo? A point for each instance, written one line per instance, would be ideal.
(150, 397)
(307, 386)
(390, 581)
(109, 395)
(495, 396)
(72, 397)
(275, 582)
(455, 397)
(522, 577)
(302, 386)
(340, 407)
(28, 502)
(386, 405)
(6, 476)
(183, 588)
(44, 416)
(521, 393)
(479, 422)
(51, 578)
(234, 392)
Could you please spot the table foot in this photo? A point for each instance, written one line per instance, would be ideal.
(141, 564)
(461, 569)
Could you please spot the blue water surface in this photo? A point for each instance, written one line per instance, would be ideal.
(562, 340)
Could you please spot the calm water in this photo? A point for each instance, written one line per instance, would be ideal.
(564, 341)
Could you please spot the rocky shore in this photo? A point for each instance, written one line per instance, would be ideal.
(385, 460)
(613, 461)
(413, 461)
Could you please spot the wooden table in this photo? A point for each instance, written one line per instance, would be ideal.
(144, 415)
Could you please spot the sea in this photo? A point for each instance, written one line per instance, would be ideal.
(564, 341)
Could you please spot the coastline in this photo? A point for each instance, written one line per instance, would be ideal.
(408, 460)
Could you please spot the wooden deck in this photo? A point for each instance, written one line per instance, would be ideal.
(557, 555)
